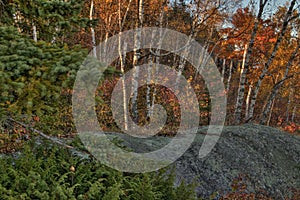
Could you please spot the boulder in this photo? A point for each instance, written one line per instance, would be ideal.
(267, 157)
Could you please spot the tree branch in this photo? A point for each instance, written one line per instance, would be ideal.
(55, 140)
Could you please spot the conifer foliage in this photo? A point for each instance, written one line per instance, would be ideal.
(33, 74)
(50, 172)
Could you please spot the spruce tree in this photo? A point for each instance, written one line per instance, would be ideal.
(34, 74)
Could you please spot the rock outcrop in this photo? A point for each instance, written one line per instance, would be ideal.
(268, 157)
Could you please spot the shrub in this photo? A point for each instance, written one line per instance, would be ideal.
(51, 172)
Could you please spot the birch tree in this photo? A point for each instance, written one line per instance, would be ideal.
(136, 56)
(34, 32)
(223, 69)
(272, 105)
(277, 86)
(248, 99)
(241, 90)
(242, 74)
(205, 17)
(294, 114)
(288, 107)
(93, 30)
(122, 57)
(153, 68)
(288, 18)
(229, 77)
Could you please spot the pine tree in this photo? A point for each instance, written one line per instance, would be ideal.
(33, 74)
(51, 21)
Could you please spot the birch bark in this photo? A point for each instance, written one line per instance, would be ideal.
(34, 32)
(136, 56)
(248, 100)
(241, 90)
(271, 58)
(92, 30)
(122, 57)
(229, 77)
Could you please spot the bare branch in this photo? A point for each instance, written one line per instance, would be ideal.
(53, 139)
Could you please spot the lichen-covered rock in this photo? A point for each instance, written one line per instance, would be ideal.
(268, 157)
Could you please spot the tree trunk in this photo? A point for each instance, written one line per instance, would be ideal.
(288, 107)
(148, 92)
(92, 30)
(241, 91)
(223, 70)
(271, 112)
(277, 86)
(271, 58)
(293, 114)
(122, 57)
(229, 77)
(34, 32)
(152, 69)
(136, 56)
(248, 100)
(182, 61)
(272, 105)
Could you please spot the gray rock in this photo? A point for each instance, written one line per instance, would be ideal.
(268, 157)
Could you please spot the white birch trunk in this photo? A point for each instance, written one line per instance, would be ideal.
(229, 77)
(122, 63)
(157, 59)
(108, 23)
(248, 100)
(93, 31)
(223, 70)
(270, 60)
(149, 76)
(122, 56)
(150, 73)
(136, 56)
(34, 32)
(241, 91)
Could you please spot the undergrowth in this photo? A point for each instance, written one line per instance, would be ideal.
(51, 172)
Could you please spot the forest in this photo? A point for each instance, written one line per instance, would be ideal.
(43, 43)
